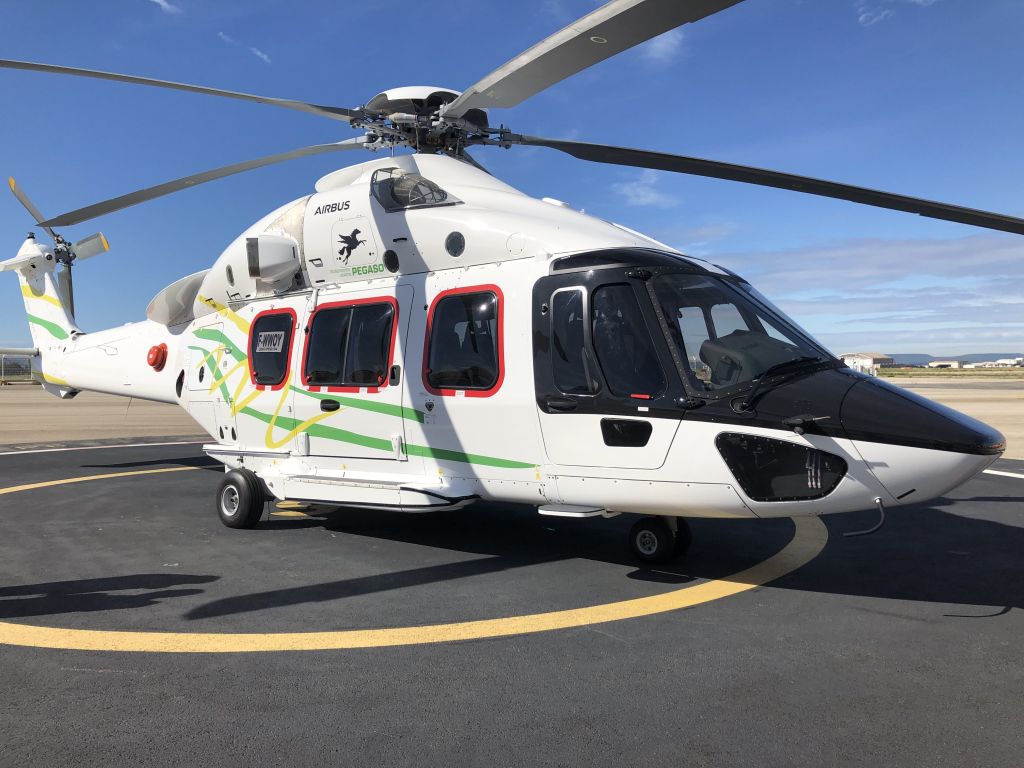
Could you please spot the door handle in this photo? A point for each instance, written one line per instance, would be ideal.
(327, 406)
(563, 404)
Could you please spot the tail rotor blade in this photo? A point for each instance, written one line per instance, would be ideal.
(29, 205)
(91, 246)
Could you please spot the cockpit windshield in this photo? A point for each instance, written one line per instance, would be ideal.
(725, 336)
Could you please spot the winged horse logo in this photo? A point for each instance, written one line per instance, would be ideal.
(349, 244)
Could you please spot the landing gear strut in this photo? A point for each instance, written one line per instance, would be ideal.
(658, 539)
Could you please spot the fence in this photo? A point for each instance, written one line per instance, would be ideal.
(16, 369)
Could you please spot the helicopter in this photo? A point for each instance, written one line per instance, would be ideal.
(417, 335)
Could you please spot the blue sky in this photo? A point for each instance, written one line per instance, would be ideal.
(923, 97)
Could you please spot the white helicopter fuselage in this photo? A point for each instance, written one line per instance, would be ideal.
(232, 346)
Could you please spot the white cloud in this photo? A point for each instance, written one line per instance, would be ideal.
(867, 18)
(938, 296)
(642, 191)
(663, 49)
(870, 12)
(259, 54)
(251, 48)
(166, 7)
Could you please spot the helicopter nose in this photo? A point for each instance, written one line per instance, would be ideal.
(918, 449)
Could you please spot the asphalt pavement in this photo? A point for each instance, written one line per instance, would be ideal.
(902, 648)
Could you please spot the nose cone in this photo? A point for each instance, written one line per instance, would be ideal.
(917, 448)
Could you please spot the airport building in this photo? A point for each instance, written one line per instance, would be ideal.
(867, 362)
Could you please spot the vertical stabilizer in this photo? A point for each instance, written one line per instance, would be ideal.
(50, 320)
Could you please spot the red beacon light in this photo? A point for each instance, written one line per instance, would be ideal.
(157, 357)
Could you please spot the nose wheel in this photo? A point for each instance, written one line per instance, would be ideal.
(659, 539)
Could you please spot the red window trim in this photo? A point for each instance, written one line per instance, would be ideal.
(391, 350)
(488, 288)
(288, 359)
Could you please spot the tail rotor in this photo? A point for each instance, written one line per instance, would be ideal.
(64, 252)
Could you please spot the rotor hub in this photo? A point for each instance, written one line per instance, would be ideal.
(412, 116)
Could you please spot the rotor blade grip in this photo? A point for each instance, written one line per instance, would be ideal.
(151, 193)
(694, 166)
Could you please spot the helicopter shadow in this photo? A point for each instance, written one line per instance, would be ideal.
(923, 555)
(89, 595)
(504, 538)
(199, 462)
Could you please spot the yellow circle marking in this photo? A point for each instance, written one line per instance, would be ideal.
(809, 538)
(67, 480)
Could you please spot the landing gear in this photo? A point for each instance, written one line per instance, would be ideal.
(240, 499)
(658, 539)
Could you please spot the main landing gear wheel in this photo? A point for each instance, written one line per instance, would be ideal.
(654, 541)
(240, 499)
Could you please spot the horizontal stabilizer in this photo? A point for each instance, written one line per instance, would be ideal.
(17, 262)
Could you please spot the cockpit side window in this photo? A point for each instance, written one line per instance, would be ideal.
(572, 365)
(624, 345)
(724, 338)
(727, 318)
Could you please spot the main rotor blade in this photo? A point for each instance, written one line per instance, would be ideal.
(151, 193)
(694, 166)
(29, 205)
(599, 35)
(335, 113)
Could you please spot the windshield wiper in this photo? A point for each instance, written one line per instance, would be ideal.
(760, 383)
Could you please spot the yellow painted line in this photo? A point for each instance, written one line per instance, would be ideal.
(87, 478)
(268, 438)
(28, 293)
(809, 538)
(292, 505)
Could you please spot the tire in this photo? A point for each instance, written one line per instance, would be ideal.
(652, 541)
(240, 499)
(684, 537)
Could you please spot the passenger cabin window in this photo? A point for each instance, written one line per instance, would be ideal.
(623, 343)
(270, 345)
(350, 345)
(571, 364)
(464, 344)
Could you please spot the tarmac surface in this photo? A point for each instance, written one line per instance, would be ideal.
(902, 648)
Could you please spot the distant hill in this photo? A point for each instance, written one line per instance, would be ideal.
(974, 357)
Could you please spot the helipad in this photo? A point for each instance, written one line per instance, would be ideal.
(495, 619)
